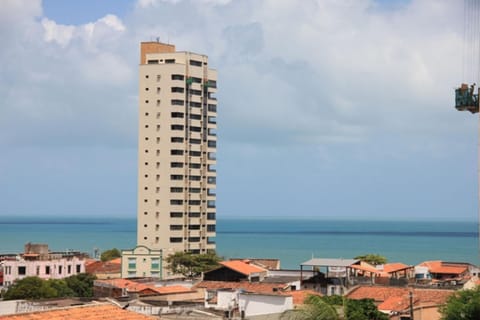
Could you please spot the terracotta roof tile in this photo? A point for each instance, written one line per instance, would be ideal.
(133, 286)
(98, 312)
(103, 267)
(395, 266)
(299, 296)
(242, 267)
(441, 267)
(384, 295)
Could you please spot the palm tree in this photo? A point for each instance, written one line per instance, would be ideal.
(314, 308)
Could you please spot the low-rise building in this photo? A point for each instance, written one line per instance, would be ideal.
(104, 269)
(395, 301)
(236, 270)
(38, 261)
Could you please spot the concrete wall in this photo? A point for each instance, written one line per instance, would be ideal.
(259, 304)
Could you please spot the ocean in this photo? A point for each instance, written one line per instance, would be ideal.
(293, 241)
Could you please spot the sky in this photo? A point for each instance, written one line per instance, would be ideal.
(327, 109)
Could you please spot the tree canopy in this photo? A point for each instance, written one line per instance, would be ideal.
(464, 304)
(364, 309)
(80, 285)
(111, 254)
(372, 258)
(191, 265)
(314, 308)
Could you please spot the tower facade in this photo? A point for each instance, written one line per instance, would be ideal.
(177, 145)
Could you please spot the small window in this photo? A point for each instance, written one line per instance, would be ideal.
(79, 268)
(194, 214)
(196, 63)
(169, 60)
(152, 62)
(176, 152)
(176, 190)
(176, 227)
(175, 240)
(176, 165)
(176, 214)
(176, 202)
(178, 77)
(22, 271)
(69, 269)
(47, 269)
(176, 140)
(176, 102)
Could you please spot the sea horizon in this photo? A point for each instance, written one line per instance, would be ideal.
(292, 240)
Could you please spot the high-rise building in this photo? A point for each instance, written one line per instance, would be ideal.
(177, 145)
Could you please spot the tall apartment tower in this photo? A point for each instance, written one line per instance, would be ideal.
(177, 145)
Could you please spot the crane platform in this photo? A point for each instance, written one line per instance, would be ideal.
(466, 99)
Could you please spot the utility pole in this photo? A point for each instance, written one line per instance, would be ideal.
(411, 305)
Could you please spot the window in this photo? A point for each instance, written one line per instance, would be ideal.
(132, 263)
(212, 144)
(159, 90)
(195, 141)
(177, 115)
(178, 77)
(155, 263)
(194, 178)
(212, 108)
(196, 63)
(175, 240)
(169, 60)
(69, 269)
(211, 168)
(196, 92)
(212, 180)
(194, 214)
(60, 269)
(211, 228)
(22, 271)
(194, 190)
(176, 202)
(176, 140)
(212, 119)
(176, 214)
(178, 89)
(176, 152)
(212, 83)
(196, 80)
(176, 164)
(212, 156)
(194, 239)
(194, 227)
(195, 116)
(176, 102)
(195, 153)
(195, 166)
(177, 127)
(194, 202)
(79, 268)
(176, 190)
(47, 269)
(176, 177)
(211, 216)
(210, 240)
(152, 62)
(195, 104)
(211, 203)
(211, 192)
(176, 227)
(195, 129)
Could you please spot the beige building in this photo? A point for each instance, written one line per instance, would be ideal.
(176, 154)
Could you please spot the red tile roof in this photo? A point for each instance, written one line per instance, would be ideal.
(98, 312)
(385, 295)
(299, 296)
(133, 286)
(441, 267)
(395, 266)
(365, 267)
(242, 267)
(255, 287)
(97, 267)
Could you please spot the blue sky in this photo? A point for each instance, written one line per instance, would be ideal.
(331, 109)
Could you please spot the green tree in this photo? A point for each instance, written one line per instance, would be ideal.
(61, 287)
(81, 284)
(314, 308)
(372, 258)
(464, 304)
(191, 265)
(110, 254)
(30, 288)
(364, 309)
